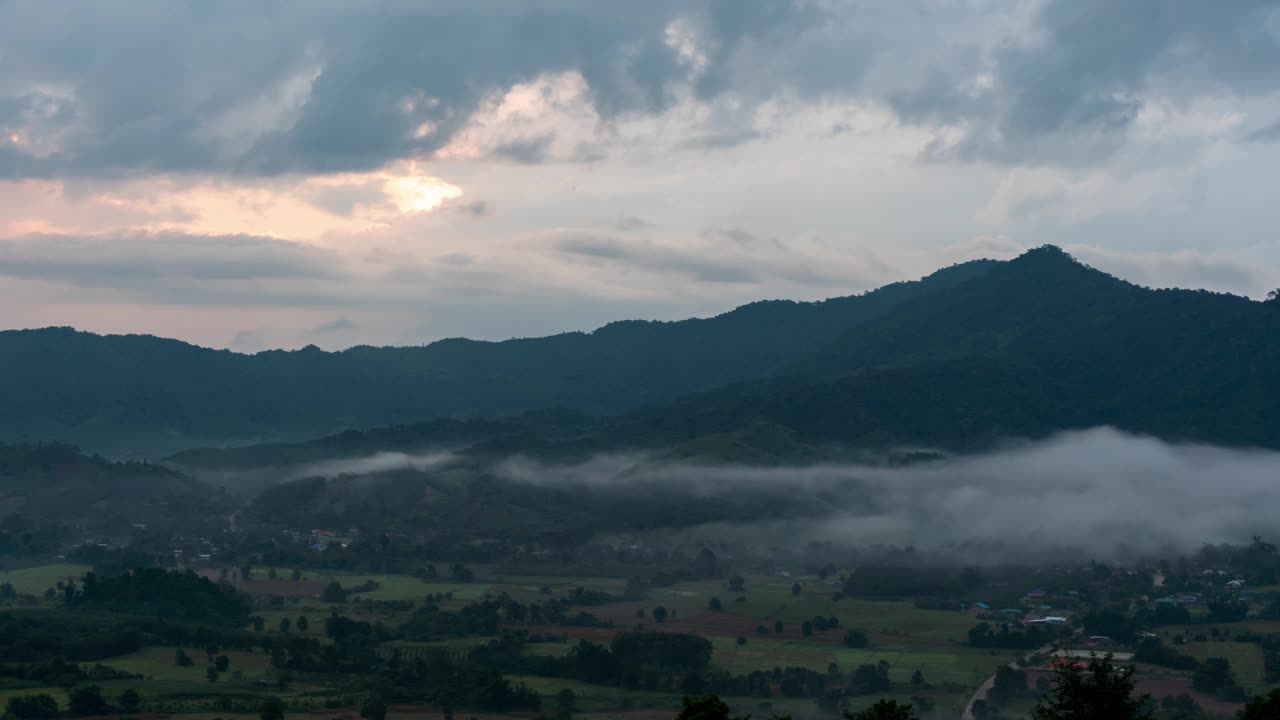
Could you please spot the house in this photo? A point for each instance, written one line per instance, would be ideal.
(1036, 594)
(1235, 584)
(982, 606)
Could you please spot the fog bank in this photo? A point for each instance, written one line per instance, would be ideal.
(1099, 491)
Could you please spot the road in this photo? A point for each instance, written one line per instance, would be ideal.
(985, 687)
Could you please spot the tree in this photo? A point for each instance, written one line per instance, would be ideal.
(917, 678)
(703, 707)
(855, 638)
(258, 623)
(660, 614)
(737, 583)
(795, 588)
(806, 628)
(1273, 295)
(246, 573)
(296, 575)
(333, 592)
(182, 659)
(1262, 707)
(882, 710)
(284, 625)
(271, 574)
(302, 624)
(715, 604)
(373, 708)
(32, 707)
(868, 679)
(211, 674)
(1100, 691)
(87, 700)
(1215, 676)
(1008, 684)
(222, 663)
(566, 704)
(130, 701)
(777, 626)
(271, 709)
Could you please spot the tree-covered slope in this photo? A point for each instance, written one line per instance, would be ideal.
(123, 394)
(50, 483)
(1039, 344)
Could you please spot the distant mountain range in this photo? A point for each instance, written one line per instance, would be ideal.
(139, 394)
(959, 360)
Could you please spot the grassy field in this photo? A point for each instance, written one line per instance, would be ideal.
(35, 580)
(157, 664)
(1245, 658)
(962, 667)
(58, 694)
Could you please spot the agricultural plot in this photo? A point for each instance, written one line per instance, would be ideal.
(59, 694)
(1245, 658)
(594, 698)
(36, 580)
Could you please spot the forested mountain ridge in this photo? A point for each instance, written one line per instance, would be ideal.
(1037, 345)
(145, 395)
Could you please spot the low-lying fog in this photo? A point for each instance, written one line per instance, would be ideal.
(1099, 491)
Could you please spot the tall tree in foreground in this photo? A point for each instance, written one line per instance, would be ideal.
(1100, 691)
(1262, 707)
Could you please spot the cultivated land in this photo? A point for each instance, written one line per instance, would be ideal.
(759, 627)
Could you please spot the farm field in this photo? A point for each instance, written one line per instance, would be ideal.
(1245, 658)
(36, 580)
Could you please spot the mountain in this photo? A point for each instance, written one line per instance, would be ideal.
(43, 484)
(1037, 345)
(143, 395)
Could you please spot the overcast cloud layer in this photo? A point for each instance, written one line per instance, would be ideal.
(267, 174)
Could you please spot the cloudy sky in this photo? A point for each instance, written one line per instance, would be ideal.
(271, 174)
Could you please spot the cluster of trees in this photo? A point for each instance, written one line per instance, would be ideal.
(177, 595)
(82, 701)
(1007, 635)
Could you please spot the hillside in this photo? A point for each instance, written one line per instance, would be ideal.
(1034, 346)
(47, 483)
(1039, 344)
(146, 395)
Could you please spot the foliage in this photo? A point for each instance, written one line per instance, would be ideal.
(153, 591)
(1100, 691)
(32, 707)
(1262, 707)
(882, 710)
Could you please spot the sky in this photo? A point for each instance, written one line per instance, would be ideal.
(272, 174)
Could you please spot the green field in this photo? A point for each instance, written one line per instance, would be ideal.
(58, 694)
(1245, 658)
(963, 667)
(35, 580)
(157, 664)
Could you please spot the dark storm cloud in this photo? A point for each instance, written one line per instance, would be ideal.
(1072, 92)
(265, 88)
(163, 88)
